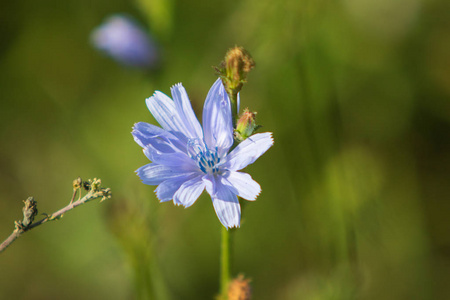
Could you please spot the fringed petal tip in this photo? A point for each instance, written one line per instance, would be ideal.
(176, 85)
(175, 202)
(150, 98)
(139, 172)
(156, 94)
(249, 151)
(235, 226)
(268, 136)
(242, 185)
(143, 177)
(157, 196)
(256, 196)
(271, 137)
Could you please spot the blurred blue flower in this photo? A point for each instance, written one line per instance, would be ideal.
(186, 159)
(124, 40)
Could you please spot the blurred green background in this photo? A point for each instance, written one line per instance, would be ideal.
(355, 201)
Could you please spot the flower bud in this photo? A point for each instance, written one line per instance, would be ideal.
(29, 211)
(246, 125)
(239, 289)
(77, 183)
(234, 69)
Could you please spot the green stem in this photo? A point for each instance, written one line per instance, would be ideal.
(225, 264)
(234, 112)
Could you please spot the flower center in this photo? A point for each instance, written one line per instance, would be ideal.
(207, 160)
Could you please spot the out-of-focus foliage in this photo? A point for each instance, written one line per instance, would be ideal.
(355, 199)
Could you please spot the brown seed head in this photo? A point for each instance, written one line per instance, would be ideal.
(238, 63)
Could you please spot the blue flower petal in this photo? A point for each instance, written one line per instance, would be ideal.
(217, 119)
(154, 174)
(147, 134)
(248, 151)
(185, 112)
(167, 189)
(189, 191)
(164, 111)
(241, 184)
(178, 160)
(225, 202)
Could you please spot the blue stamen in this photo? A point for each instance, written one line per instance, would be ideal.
(206, 159)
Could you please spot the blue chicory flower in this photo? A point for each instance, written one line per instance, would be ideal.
(187, 159)
(124, 40)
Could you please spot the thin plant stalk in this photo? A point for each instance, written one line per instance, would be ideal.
(95, 191)
(225, 262)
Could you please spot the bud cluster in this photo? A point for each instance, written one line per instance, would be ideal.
(233, 72)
